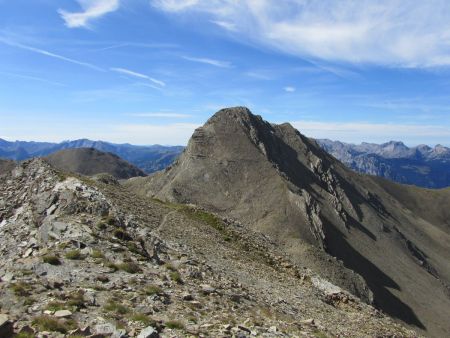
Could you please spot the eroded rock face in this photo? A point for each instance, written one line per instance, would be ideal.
(278, 182)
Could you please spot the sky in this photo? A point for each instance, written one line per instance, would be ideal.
(151, 71)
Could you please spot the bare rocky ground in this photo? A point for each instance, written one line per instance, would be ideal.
(86, 257)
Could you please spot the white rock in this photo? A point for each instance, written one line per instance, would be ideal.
(62, 313)
(148, 332)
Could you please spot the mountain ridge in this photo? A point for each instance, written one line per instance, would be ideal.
(147, 158)
(281, 183)
(421, 165)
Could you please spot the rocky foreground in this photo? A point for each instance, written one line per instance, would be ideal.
(86, 257)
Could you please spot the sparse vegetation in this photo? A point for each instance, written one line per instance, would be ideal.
(174, 324)
(153, 290)
(24, 335)
(101, 225)
(74, 255)
(51, 259)
(176, 277)
(21, 289)
(55, 306)
(142, 318)
(97, 254)
(47, 323)
(121, 234)
(115, 307)
(129, 267)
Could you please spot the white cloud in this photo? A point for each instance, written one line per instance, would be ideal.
(211, 62)
(47, 53)
(162, 114)
(372, 132)
(414, 33)
(289, 89)
(138, 75)
(92, 9)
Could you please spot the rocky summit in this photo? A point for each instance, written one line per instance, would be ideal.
(385, 243)
(86, 257)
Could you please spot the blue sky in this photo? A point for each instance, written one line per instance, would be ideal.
(151, 71)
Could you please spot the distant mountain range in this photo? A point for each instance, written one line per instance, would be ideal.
(422, 165)
(147, 158)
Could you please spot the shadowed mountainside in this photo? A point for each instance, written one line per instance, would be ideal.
(283, 184)
(89, 161)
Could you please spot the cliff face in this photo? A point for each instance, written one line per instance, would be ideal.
(278, 182)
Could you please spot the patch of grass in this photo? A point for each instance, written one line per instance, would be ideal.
(76, 300)
(153, 290)
(101, 225)
(174, 324)
(129, 267)
(111, 265)
(47, 323)
(97, 254)
(170, 267)
(56, 306)
(28, 301)
(176, 277)
(142, 318)
(74, 255)
(320, 334)
(24, 335)
(115, 307)
(110, 220)
(51, 259)
(122, 235)
(21, 289)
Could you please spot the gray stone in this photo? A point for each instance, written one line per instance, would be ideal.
(148, 332)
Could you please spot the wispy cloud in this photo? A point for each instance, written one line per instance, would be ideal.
(162, 114)
(138, 75)
(32, 78)
(92, 9)
(47, 53)
(390, 33)
(211, 62)
(289, 89)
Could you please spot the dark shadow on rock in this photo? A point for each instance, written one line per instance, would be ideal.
(376, 279)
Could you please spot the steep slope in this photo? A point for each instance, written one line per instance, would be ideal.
(421, 166)
(280, 183)
(84, 258)
(147, 158)
(6, 166)
(89, 161)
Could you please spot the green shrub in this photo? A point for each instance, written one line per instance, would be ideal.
(51, 259)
